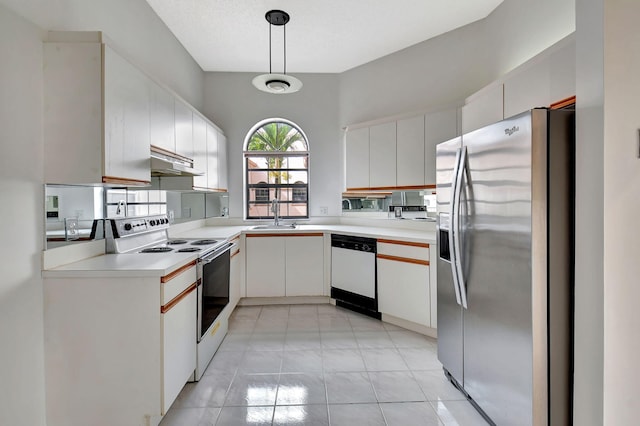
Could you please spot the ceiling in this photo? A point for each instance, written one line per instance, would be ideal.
(323, 36)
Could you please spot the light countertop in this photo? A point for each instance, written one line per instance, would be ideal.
(154, 265)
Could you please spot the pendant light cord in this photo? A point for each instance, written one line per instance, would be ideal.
(269, 47)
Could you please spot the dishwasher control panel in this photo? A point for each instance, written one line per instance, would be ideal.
(350, 242)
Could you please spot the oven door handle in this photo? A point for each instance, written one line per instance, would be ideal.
(217, 253)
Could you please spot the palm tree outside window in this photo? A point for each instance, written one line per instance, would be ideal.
(276, 167)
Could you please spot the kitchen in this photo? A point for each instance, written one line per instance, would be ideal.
(23, 399)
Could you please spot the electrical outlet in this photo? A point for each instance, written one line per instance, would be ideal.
(324, 211)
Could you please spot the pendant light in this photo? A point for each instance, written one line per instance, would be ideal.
(277, 83)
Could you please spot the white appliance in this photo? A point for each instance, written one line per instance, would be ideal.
(148, 236)
(505, 267)
(353, 273)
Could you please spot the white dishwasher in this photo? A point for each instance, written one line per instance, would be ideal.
(353, 273)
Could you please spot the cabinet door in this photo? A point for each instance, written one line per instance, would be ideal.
(212, 157)
(528, 88)
(222, 162)
(304, 266)
(200, 150)
(265, 257)
(179, 337)
(483, 108)
(382, 155)
(357, 158)
(410, 151)
(563, 73)
(72, 114)
(162, 119)
(126, 106)
(403, 291)
(439, 126)
(183, 116)
(235, 276)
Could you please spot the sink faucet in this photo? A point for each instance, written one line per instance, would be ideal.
(274, 209)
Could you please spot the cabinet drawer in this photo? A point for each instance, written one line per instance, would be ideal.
(404, 249)
(176, 282)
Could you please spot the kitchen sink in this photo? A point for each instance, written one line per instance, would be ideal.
(272, 226)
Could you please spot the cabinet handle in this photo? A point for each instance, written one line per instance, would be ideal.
(166, 308)
(403, 259)
(404, 243)
(177, 272)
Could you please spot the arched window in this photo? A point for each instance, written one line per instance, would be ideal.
(276, 159)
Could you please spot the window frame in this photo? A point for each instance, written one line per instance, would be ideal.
(285, 203)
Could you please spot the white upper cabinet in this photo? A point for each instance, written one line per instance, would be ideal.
(382, 155)
(357, 158)
(410, 151)
(200, 151)
(162, 119)
(439, 126)
(483, 108)
(528, 88)
(94, 132)
(183, 119)
(212, 158)
(222, 162)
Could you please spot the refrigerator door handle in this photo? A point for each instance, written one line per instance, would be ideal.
(452, 226)
(456, 260)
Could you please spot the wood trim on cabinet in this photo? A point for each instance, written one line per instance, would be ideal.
(171, 275)
(392, 188)
(204, 188)
(163, 151)
(124, 181)
(287, 234)
(234, 253)
(404, 243)
(234, 239)
(403, 259)
(563, 103)
(173, 302)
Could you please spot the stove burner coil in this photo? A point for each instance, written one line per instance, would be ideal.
(203, 242)
(189, 249)
(176, 242)
(156, 250)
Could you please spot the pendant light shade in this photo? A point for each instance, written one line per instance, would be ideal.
(277, 83)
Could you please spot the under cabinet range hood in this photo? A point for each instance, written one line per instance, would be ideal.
(164, 163)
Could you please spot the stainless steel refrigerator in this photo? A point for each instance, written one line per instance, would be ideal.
(505, 267)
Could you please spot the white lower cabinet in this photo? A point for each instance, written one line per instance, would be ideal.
(118, 349)
(284, 265)
(404, 287)
(304, 266)
(179, 333)
(265, 266)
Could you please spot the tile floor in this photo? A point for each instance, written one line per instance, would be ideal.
(320, 365)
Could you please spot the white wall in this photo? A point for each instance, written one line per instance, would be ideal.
(427, 75)
(134, 28)
(21, 223)
(520, 29)
(622, 201)
(448, 68)
(233, 103)
(589, 291)
(139, 33)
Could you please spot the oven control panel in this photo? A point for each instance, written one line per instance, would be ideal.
(122, 227)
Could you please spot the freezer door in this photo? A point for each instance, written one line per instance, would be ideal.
(498, 320)
(450, 341)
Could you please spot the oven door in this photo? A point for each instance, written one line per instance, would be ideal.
(213, 287)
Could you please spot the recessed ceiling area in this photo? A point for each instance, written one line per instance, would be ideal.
(329, 36)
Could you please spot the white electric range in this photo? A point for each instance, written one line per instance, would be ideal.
(149, 236)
